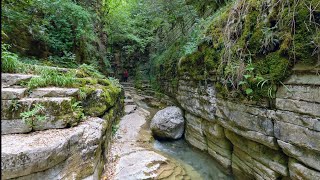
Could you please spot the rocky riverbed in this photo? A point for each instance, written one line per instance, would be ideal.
(132, 155)
(135, 154)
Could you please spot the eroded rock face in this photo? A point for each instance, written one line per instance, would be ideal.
(58, 146)
(257, 142)
(168, 123)
(58, 112)
(14, 79)
(54, 153)
(210, 137)
(198, 99)
(259, 156)
(96, 104)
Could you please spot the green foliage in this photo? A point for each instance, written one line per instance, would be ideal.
(203, 6)
(9, 60)
(82, 95)
(138, 77)
(14, 105)
(115, 128)
(270, 41)
(77, 110)
(128, 26)
(68, 60)
(115, 82)
(86, 70)
(52, 78)
(251, 55)
(62, 32)
(35, 114)
(254, 82)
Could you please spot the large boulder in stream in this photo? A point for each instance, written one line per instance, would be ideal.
(168, 123)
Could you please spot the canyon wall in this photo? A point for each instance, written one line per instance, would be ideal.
(256, 141)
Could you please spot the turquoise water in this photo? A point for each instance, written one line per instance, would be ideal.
(180, 150)
(203, 163)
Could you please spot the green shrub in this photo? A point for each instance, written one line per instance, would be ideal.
(9, 60)
(86, 70)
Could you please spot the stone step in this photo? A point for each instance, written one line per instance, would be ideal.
(306, 69)
(13, 93)
(14, 79)
(129, 102)
(54, 106)
(54, 154)
(127, 95)
(148, 92)
(15, 126)
(128, 109)
(57, 114)
(303, 79)
(129, 89)
(126, 83)
(146, 86)
(54, 92)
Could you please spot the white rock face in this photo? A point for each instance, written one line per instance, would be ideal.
(54, 92)
(168, 123)
(54, 154)
(13, 93)
(14, 79)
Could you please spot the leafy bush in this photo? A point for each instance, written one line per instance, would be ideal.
(51, 28)
(86, 70)
(68, 60)
(9, 60)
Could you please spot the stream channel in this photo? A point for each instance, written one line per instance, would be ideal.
(202, 163)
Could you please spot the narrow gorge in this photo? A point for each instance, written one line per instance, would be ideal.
(168, 89)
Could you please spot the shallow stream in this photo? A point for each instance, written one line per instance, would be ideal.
(187, 155)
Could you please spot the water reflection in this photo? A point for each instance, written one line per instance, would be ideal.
(207, 167)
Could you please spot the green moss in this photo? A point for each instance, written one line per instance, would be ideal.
(104, 82)
(254, 43)
(303, 37)
(274, 66)
(261, 37)
(252, 33)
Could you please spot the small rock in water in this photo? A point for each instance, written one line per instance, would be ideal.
(168, 123)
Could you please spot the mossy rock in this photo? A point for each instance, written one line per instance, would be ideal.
(99, 99)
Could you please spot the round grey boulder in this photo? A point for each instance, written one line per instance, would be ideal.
(168, 123)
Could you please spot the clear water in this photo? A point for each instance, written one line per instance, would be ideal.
(187, 155)
(203, 163)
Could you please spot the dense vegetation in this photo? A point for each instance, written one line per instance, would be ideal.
(61, 33)
(249, 45)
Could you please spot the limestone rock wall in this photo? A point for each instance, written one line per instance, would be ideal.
(60, 146)
(256, 142)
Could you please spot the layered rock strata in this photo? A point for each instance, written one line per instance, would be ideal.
(60, 146)
(254, 141)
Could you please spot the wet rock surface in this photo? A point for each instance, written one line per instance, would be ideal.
(132, 155)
